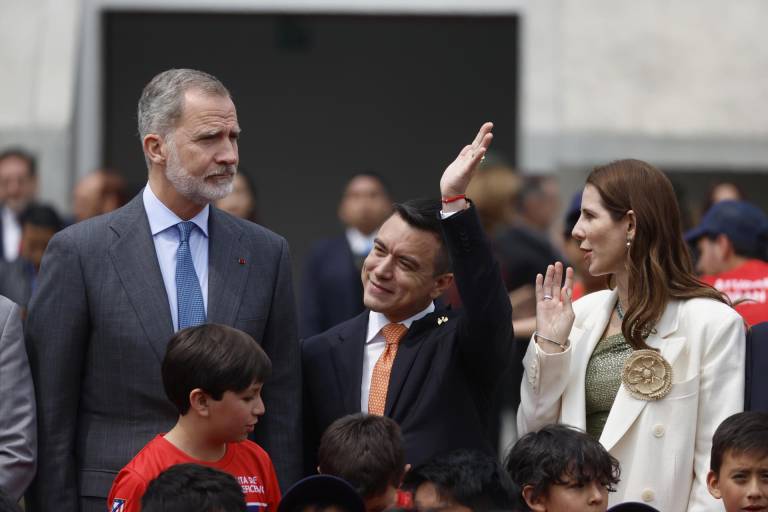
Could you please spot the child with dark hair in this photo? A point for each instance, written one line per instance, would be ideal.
(462, 480)
(186, 487)
(367, 451)
(560, 468)
(739, 462)
(213, 374)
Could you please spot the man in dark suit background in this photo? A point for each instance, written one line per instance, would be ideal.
(18, 188)
(435, 380)
(332, 270)
(114, 288)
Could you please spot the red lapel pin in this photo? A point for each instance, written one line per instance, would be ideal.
(241, 261)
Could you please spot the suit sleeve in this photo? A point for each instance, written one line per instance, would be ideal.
(57, 338)
(485, 335)
(18, 436)
(721, 394)
(280, 432)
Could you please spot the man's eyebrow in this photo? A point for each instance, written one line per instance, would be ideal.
(410, 260)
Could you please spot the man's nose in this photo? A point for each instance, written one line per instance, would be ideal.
(228, 154)
(384, 267)
(596, 493)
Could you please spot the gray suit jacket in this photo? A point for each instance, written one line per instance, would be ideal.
(18, 445)
(98, 325)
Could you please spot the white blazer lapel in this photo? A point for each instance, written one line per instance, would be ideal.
(574, 406)
(626, 408)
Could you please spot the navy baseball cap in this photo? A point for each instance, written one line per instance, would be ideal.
(743, 223)
(572, 214)
(322, 491)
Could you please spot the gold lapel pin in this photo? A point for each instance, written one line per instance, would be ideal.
(442, 320)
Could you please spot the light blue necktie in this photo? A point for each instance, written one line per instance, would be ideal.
(189, 298)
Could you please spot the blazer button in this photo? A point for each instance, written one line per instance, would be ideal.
(658, 430)
(647, 495)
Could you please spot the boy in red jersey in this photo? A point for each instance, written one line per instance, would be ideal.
(213, 374)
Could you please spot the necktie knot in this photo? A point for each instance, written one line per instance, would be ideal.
(393, 333)
(184, 229)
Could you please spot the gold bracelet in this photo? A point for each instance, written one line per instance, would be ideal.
(562, 346)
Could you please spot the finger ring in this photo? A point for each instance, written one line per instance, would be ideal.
(482, 158)
(547, 297)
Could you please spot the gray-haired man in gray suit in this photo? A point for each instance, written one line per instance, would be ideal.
(17, 405)
(113, 289)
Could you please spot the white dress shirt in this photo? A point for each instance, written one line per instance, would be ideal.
(359, 243)
(375, 345)
(165, 235)
(11, 234)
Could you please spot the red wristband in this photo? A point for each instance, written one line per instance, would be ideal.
(451, 199)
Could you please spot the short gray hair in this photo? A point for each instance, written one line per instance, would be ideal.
(162, 99)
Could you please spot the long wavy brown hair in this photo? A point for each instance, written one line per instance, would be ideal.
(659, 263)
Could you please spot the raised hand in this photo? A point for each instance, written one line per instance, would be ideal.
(554, 311)
(457, 175)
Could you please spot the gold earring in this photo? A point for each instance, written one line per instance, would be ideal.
(629, 242)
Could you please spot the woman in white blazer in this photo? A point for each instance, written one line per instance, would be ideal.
(650, 367)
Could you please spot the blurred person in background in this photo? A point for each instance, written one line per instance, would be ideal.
(331, 291)
(241, 202)
(493, 191)
(18, 278)
(18, 187)
(732, 243)
(526, 248)
(101, 191)
(722, 191)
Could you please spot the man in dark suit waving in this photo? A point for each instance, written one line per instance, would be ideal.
(114, 288)
(430, 370)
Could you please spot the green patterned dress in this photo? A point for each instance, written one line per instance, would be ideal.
(603, 380)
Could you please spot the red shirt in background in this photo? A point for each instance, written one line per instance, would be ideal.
(246, 461)
(747, 281)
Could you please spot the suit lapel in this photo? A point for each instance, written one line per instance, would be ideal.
(348, 361)
(135, 260)
(228, 267)
(406, 354)
(587, 335)
(626, 408)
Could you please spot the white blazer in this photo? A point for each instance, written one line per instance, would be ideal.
(663, 446)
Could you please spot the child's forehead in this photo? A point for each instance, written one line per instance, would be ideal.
(744, 458)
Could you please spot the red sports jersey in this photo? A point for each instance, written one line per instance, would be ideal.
(246, 461)
(748, 281)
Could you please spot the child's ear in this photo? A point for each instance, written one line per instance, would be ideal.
(198, 401)
(538, 504)
(713, 485)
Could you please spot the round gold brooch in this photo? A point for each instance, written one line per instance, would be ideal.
(647, 375)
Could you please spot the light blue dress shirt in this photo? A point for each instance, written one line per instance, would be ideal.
(165, 235)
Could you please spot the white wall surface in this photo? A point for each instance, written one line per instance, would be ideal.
(38, 55)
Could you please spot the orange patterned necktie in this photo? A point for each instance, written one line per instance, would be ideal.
(377, 396)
